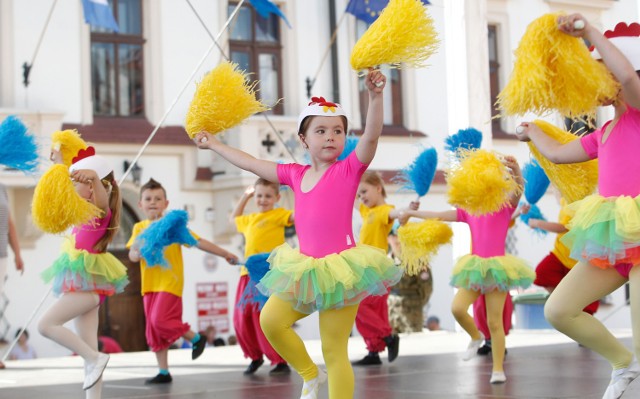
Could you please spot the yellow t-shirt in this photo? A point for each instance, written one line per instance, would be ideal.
(263, 231)
(559, 249)
(376, 225)
(157, 278)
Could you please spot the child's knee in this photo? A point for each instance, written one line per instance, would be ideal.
(458, 310)
(556, 315)
(43, 328)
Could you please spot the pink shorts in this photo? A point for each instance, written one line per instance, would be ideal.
(624, 269)
(164, 319)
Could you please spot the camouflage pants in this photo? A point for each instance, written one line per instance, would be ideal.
(406, 301)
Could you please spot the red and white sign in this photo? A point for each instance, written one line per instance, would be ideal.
(213, 306)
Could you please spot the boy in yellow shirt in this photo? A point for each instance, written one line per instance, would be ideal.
(263, 231)
(162, 287)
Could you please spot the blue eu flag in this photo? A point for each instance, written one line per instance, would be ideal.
(369, 10)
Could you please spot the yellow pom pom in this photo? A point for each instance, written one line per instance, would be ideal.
(420, 241)
(223, 99)
(56, 204)
(403, 33)
(554, 71)
(68, 142)
(480, 183)
(574, 181)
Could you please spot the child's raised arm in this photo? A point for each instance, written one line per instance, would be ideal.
(615, 61)
(262, 168)
(239, 209)
(511, 163)
(88, 176)
(552, 227)
(368, 143)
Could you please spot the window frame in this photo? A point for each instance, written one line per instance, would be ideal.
(255, 48)
(118, 39)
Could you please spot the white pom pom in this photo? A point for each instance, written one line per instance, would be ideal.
(578, 24)
(520, 129)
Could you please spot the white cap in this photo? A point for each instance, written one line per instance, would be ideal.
(86, 159)
(320, 107)
(627, 39)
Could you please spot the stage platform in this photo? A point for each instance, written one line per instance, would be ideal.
(539, 364)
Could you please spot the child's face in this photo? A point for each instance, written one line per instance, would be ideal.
(265, 197)
(83, 189)
(325, 137)
(153, 203)
(369, 194)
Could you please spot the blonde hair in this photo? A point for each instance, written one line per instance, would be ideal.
(374, 179)
(267, 183)
(115, 204)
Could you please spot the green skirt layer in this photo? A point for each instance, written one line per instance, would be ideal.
(331, 282)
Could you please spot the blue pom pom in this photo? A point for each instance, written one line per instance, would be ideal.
(349, 145)
(18, 148)
(534, 213)
(468, 139)
(257, 266)
(170, 229)
(419, 175)
(536, 182)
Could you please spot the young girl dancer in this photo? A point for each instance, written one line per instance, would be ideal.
(487, 270)
(372, 319)
(600, 233)
(85, 273)
(328, 273)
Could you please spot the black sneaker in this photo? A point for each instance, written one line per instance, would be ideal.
(369, 360)
(484, 350)
(393, 346)
(160, 379)
(253, 367)
(280, 369)
(198, 347)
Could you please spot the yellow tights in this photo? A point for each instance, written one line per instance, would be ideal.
(276, 320)
(495, 305)
(584, 284)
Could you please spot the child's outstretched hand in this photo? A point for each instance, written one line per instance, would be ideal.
(205, 140)
(375, 81)
(525, 208)
(524, 130)
(231, 258)
(248, 193)
(414, 205)
(510, 162)
(575, 25)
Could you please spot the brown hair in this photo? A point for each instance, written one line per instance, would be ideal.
(304, 125)
(152, 185)
(267, 183)
(115, 204)
(374, 179)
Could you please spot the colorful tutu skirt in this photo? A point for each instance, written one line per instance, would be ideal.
(605, 231)
(331, 282)
(488, 274)
(257, 266)
(77, 270)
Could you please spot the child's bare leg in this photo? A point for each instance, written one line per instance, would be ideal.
(87, 328)
(162, 356)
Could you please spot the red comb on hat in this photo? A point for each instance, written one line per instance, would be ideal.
(322, 102)
(622, 29)
(82, 154)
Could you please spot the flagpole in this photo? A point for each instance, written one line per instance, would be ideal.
(326, 54)
(266, 117)
(175, 101)
(26, 67)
